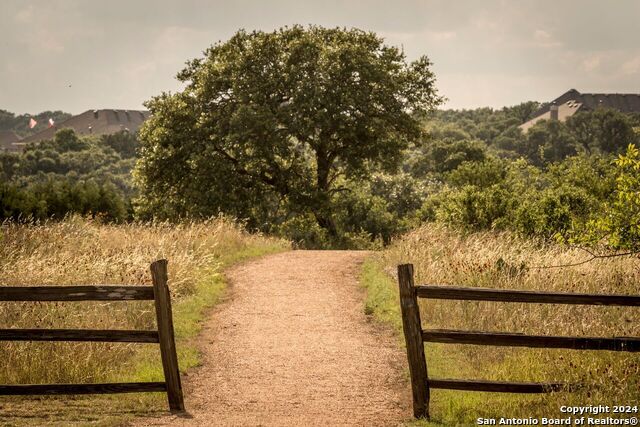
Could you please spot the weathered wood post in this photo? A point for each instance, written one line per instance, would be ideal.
(413, 337)
(165, 334)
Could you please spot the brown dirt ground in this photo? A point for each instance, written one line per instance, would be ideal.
(293, 347)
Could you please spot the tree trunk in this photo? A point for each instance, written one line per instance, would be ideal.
(322, 211)
(326, 221)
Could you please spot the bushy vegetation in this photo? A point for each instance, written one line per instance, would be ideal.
(79, 251)
(451, 175)
(284, 131)
(503, 260)
(19, 123)
(330, 138)
(274, 127)
(69, 174)
(618, 224)
(549, 186)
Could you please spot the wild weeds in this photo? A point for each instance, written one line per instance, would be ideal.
(81, 251)
(499, 260)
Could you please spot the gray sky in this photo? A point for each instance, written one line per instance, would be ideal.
(76, 55)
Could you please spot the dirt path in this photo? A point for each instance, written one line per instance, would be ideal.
(292, 347)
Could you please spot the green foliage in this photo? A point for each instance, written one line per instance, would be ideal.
(369, 215)
(618, 224)
(304, 232)
(66, 175)
(57, 197)
(484, 173)
(269, 124)
(9, 164)
(444, 155)
(603, 130)
(548, 142)
(382, 300)
(481, 174)
(20, 123)
(468, 207)
(495, 194)
(365, 214)
(124, 143)
(300, 132)
(487, 124)
(401, 192)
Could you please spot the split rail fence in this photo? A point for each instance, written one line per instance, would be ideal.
(164, 335)
(415, 336)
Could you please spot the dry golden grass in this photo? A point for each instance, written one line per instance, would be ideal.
(79, 251)
(442, 256)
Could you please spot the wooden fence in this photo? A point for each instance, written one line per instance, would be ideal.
(164, 335)
(415, 336)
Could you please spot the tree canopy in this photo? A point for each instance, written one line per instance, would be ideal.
(69, 174)
(275, 122)
(20, 123)
(618, 225)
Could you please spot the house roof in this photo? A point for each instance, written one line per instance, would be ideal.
(625, 102)
(8, 139)
(95, 122)
(565, 111)
(568, 101)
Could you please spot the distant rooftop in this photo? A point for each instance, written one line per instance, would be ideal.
(8, 141)
(95, 122)
(572, 101)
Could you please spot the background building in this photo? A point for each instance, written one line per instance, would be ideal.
(572, 101)
(91, 122)
(8, 140)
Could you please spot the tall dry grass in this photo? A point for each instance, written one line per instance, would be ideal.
(80, 251)
(446, 257)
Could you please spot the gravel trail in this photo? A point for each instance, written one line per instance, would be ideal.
(291, 346)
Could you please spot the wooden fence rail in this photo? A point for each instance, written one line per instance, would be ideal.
(415, 336)
(164, 335)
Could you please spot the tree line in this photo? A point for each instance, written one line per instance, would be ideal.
(19, 123)
(69, 174)
(331, 138)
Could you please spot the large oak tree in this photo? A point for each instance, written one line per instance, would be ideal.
(278, 120)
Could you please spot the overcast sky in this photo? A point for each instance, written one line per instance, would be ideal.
(76, 55)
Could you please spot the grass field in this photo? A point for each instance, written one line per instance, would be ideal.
(442, 256)
(78, 251)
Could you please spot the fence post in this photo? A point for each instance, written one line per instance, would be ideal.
(165, 333)
(413, 337)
